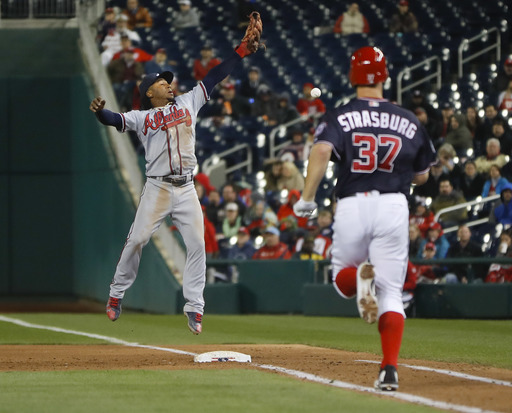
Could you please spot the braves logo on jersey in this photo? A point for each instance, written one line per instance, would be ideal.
(173, 118)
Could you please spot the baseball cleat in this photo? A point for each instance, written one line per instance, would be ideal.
(194, 322)
(366, 296)
(388, 379)
(114, 308)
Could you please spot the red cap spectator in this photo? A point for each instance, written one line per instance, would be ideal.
(430, 246)
(204, 180)
(243, 230)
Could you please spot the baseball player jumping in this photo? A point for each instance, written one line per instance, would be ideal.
(166, 127)
(380, 149)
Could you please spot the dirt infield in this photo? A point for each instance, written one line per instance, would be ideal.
(328, 363)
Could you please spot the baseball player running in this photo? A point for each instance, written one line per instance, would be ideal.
(380, 149)
(166, 127)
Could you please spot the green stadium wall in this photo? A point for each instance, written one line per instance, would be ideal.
(64, 211)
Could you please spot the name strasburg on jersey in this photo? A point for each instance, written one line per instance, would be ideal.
(377, 146)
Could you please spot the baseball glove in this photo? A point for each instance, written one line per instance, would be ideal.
(252, 38)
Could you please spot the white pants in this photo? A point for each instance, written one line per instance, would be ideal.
(373, 226)
(158, 200)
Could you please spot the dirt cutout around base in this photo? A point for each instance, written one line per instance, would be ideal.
(328, 363)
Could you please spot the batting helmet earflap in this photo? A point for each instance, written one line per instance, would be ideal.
(368, 66)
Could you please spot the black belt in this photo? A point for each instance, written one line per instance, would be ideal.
(175, 180)
(362, 192)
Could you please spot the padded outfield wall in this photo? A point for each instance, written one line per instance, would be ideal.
(64, 214)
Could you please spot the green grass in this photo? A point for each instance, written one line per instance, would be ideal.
(471, 341)
(211, 391)
(235, 390)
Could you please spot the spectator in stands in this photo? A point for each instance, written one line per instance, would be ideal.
(286, 209)
(210, 237)
(273, 173)
(429, 273)
(404, 20)
(203, 187)
(435, 236)
(459, 135)
(308, 105)
(265, 105)
(503, 243)
(475, 126)
(139, 54)
(186, 17)
(505, 98)
(307, 251)
(422, 217)
(230, 194)
(446, 155)
(415, 240)
(495, 183)
(285, 111)
(291, 178)
(123, 74)
(294, 152)
(214, 210)
(249, 86)
(272, 249)
(431, 188)
(418, 100)
(206, 62)
(471, 182)
(432, 125)
(352, 21)
(446, 113)
(230, 106)
(244, 248)
(116, 40)
(501, 131)
(259, 216)
(501, 273)
(411, 281)
(232, 221)
(464, 247)
(138, 16)
(491, 113)
(324, 222)
(159, 63)
(449, 197)
(106, 25)
(492, 157)
(504, 76)
(502, 211)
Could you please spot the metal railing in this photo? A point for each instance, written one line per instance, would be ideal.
(464, 45)
(214, 159)
(464, 206)
(400, 89)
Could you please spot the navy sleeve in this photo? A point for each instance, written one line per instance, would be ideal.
(219, 72)
(426, 155)
(110, 118)
(327, 131)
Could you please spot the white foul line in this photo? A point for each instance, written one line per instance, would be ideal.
(294, 373)
(450, 373)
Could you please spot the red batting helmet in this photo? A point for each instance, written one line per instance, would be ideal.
(368, 66)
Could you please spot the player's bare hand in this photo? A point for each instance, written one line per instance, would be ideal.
(304, 209)
(97, 104)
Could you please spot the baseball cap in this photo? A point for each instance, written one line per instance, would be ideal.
(187, 2)
(147, 81)
(309, 85)
(435, 225)
(508, 61)
(403, 3)
(243, 230)
(446, 105)
(430, 246)
(416, 93)
(229, 86)
(231, 206)
(272, 230)
(161, 50)
(109, 10)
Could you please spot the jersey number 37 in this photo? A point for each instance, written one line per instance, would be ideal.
(368, 146)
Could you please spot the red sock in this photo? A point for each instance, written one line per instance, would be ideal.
(391, 328)
(346, 280)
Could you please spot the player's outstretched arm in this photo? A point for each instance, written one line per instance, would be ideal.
(105, 116)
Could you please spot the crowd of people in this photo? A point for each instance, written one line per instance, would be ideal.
(243, 223)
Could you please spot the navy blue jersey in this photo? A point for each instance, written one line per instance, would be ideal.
(377, 146)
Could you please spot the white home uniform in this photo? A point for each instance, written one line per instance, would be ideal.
(168, 136)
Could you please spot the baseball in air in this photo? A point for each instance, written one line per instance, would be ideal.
(315, 92)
